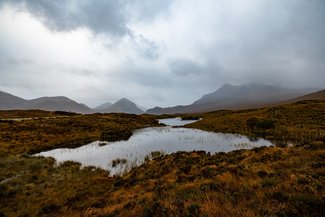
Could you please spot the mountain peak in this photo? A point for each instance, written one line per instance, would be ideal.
(103, 106)
(250, 95)
(226, 85)
(124, 100)
(123, 105)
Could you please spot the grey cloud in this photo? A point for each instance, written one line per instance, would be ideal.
(282, 42)
(147, 77)
(207, 43)
(184, 67)
(146, 47)
(148, 10)
(209, 74)
(100, 16)
(151, 49)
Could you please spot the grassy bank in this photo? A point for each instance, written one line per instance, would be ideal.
(274, 181)
(300, 123)
(35, 135)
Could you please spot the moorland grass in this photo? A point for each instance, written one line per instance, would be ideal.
(266, 181)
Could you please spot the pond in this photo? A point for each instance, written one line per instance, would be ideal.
(176, 121)
(152, 139)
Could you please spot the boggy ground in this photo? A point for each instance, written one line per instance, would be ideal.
(301, 123)
(273, 181)
(65, 131)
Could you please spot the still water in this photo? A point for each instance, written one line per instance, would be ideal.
(144, 141)
(176, 121)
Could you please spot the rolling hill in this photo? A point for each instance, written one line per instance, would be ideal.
(57, 103)
(9, 101)
(319, 95)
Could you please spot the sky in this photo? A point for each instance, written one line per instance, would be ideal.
(158, 52)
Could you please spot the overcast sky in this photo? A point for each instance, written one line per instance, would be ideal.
(157, 52)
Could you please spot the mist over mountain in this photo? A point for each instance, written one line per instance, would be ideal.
(123, 105)
(245, 96)
(252, 95)
(103, 106)
(319, 95)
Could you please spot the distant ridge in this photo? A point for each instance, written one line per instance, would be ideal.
(229, 96)
(57, 103)
(121, 106)
(319, 95)
(252, 95)
(62, 103)
(103, 107)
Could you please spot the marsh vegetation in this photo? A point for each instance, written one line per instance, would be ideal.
(265, 181)
(148, 141)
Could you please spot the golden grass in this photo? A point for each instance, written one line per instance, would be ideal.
(272, 181)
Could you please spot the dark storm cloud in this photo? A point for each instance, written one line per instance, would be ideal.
(100, 16)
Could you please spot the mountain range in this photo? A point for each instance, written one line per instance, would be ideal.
(62, 103)
(57, 103)
(252, 95)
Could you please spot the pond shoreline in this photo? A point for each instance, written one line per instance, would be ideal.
(167, 140)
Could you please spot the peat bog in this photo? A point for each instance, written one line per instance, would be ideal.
(285, 180)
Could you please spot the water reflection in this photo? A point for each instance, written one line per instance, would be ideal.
(147, 140)
(176, 121)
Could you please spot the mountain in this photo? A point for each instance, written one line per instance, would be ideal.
(57, 103)
(103, 107)
(62, 103)
(252, 95)
(122, 106)
(141, 107)
(319, 95)
(247, 96)
(8, 101)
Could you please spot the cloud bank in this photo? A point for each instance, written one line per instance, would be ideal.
(158, 52)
